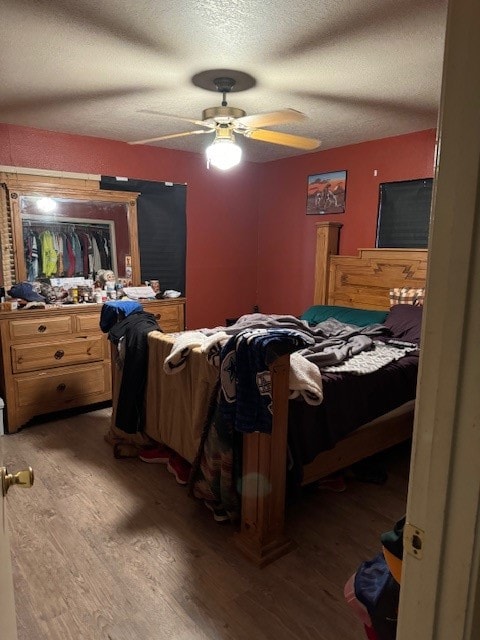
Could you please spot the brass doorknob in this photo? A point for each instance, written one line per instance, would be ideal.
(21, 478)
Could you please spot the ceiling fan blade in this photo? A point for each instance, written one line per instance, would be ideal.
(171, 135)
(272, 118)
(168, 115)
(286, 139)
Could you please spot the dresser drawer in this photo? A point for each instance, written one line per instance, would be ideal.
(45, 355)
(169, 316)
(32, 328)
(87, 322)
(60, 388)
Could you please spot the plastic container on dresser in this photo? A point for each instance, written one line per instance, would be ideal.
(56, 359)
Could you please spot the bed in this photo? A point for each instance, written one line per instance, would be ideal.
(363, 282)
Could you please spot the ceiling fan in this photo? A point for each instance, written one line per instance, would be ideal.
(225, 121)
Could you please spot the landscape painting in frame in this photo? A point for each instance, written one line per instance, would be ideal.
(326, 193)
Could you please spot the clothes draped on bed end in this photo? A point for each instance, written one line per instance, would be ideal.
(128, 326)
(243, 404)
(304, 378)
(177, 404)
(246, 397)
(217, 470)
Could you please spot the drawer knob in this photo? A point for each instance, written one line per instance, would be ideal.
(61, 387)
(158, 316)
(59, 354)
(42, 328)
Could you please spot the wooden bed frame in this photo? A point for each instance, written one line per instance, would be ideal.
(364, 282)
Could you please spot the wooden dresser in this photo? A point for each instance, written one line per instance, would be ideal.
(55, 359)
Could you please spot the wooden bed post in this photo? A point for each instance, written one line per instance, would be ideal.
(327, 245)
(261, 536)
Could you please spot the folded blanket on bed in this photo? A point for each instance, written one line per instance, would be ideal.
(369, 361)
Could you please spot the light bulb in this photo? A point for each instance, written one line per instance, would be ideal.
(223, 153)
(46, 205)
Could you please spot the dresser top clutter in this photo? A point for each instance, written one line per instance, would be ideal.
(66, 248)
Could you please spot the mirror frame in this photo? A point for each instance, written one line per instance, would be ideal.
(29, 185)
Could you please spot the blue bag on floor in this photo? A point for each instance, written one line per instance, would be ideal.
(379, 592)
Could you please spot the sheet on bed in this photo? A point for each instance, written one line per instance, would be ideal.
(350, 401)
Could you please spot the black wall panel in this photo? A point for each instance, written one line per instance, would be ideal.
(162, 233)
(404, 214)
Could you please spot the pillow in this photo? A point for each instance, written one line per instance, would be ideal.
(349, 315)
(405, 295)
(405, 322)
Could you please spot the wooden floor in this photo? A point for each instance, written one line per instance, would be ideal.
(115, 549)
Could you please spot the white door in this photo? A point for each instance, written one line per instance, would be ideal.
(440, 593)
(7, 606)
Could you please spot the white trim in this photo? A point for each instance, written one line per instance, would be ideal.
(50, 173)
(77, 176)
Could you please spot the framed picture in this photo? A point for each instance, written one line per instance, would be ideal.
(326, 192)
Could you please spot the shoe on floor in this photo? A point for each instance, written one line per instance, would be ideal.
(179, 467)
(219, 514)
(159, 454)
(335, 483)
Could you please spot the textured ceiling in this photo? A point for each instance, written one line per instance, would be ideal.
(358, 69)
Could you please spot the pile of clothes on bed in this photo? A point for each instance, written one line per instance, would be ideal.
(242, 402)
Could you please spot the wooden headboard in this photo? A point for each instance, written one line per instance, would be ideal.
(363, 281)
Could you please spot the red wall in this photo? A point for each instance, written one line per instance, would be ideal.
(249, 240)
(287, 235)
(221, 209)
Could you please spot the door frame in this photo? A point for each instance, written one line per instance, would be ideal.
(440, 594)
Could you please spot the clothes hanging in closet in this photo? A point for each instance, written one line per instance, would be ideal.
(65, 250)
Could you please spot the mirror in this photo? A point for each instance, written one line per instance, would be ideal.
(63, 230)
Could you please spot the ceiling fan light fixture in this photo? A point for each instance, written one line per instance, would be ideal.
(223, 153)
